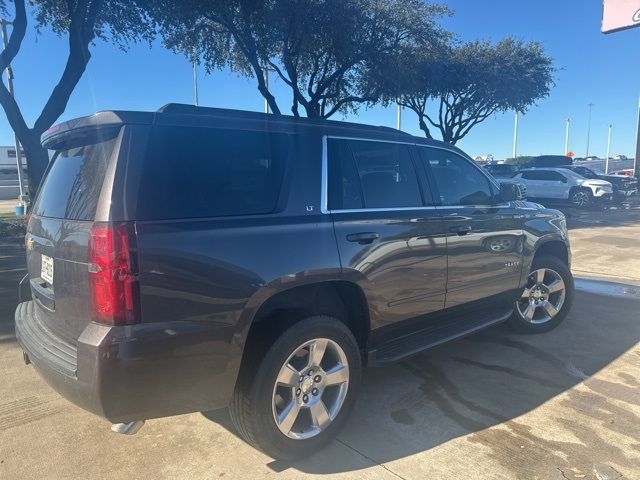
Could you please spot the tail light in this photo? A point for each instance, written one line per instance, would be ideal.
(113, 274)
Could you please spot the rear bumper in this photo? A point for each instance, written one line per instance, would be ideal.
(135, 372)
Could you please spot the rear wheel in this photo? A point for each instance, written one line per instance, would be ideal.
(301, 393)
(581, 197)
(547, 297)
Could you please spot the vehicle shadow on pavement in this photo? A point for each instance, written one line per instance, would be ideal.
(624, 215)
(493, 378)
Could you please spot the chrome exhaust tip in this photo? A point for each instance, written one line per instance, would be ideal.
(130, 428)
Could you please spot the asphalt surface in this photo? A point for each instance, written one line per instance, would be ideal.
(496, 405)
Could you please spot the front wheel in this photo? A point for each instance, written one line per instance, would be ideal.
(302, 391)
(581, 198)
(547, 297)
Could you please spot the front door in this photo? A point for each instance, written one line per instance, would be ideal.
(484, 235)
(390, 237)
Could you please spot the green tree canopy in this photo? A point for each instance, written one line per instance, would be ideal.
(469, 82)
(325, 51)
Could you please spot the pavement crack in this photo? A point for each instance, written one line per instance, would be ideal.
(371, 459)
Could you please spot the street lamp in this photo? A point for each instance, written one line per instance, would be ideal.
(606, 163)
(195, 84)
(590, 105)
(515, 137)
(566, 137)
(9, 70)
(266, 70)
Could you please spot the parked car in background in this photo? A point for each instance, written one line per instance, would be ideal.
(501, 170)
(625, 172)
(623, 186)
(592, 158)
(564, 185)
(550, 161)
(621, 157)
(196, 258)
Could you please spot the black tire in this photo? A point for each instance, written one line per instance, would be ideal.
(517, 321)
(251, 406)
(581, 197)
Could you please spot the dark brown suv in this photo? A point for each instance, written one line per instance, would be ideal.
(192, 259)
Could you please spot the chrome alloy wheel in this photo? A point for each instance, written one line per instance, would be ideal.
(543, 297)
(310, 388)
(580, 198)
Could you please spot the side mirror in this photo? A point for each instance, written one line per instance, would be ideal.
(510, 191)
(564, 180)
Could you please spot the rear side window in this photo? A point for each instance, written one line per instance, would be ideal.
(543, 175)
(73, 184)
(371, 175)
(204, 172)
(459, 182)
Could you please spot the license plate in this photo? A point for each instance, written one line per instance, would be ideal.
(46, 272)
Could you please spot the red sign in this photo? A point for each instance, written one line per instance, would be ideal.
(620, 14)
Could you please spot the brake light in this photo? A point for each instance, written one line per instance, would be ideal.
(113, 275)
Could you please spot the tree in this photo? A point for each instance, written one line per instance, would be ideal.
(470, 82)
(82, 21)
(325, 51)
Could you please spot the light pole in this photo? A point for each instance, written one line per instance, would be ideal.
(5, 41)
(566, 137)
(266, 70)
(399, 117)
(606, 163)
(590, 105)
(515, 137)
(635, 157)
(195, 84)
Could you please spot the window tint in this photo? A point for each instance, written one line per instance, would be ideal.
(459, 182)
(546, 175)
(344, 183)
(72, 187)
(371, 175)
(203, 172)
(387, 176)
(532, 175)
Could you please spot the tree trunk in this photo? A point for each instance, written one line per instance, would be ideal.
(424, 127)
(37, 161)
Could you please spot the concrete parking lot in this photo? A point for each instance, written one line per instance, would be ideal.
(497, 405)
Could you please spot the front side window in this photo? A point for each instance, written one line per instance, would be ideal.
(366, 174)
(459, 182)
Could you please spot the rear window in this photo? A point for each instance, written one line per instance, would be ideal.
(204, 172)
(72, 187)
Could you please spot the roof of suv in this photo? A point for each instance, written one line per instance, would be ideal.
(174, 114)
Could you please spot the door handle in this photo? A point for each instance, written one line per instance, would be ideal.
(460, 229)
(363, 238)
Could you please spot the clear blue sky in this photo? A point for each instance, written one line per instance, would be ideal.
(593, 67)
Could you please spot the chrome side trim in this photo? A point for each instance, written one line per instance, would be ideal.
(365, 210)
(324, 192)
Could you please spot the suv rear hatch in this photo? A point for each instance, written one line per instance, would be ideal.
(58, 235)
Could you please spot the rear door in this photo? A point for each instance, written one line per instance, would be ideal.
(59, 228)
(535, 181)
(484, 234)
(390, 236)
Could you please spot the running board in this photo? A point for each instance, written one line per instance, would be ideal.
(442, 330)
